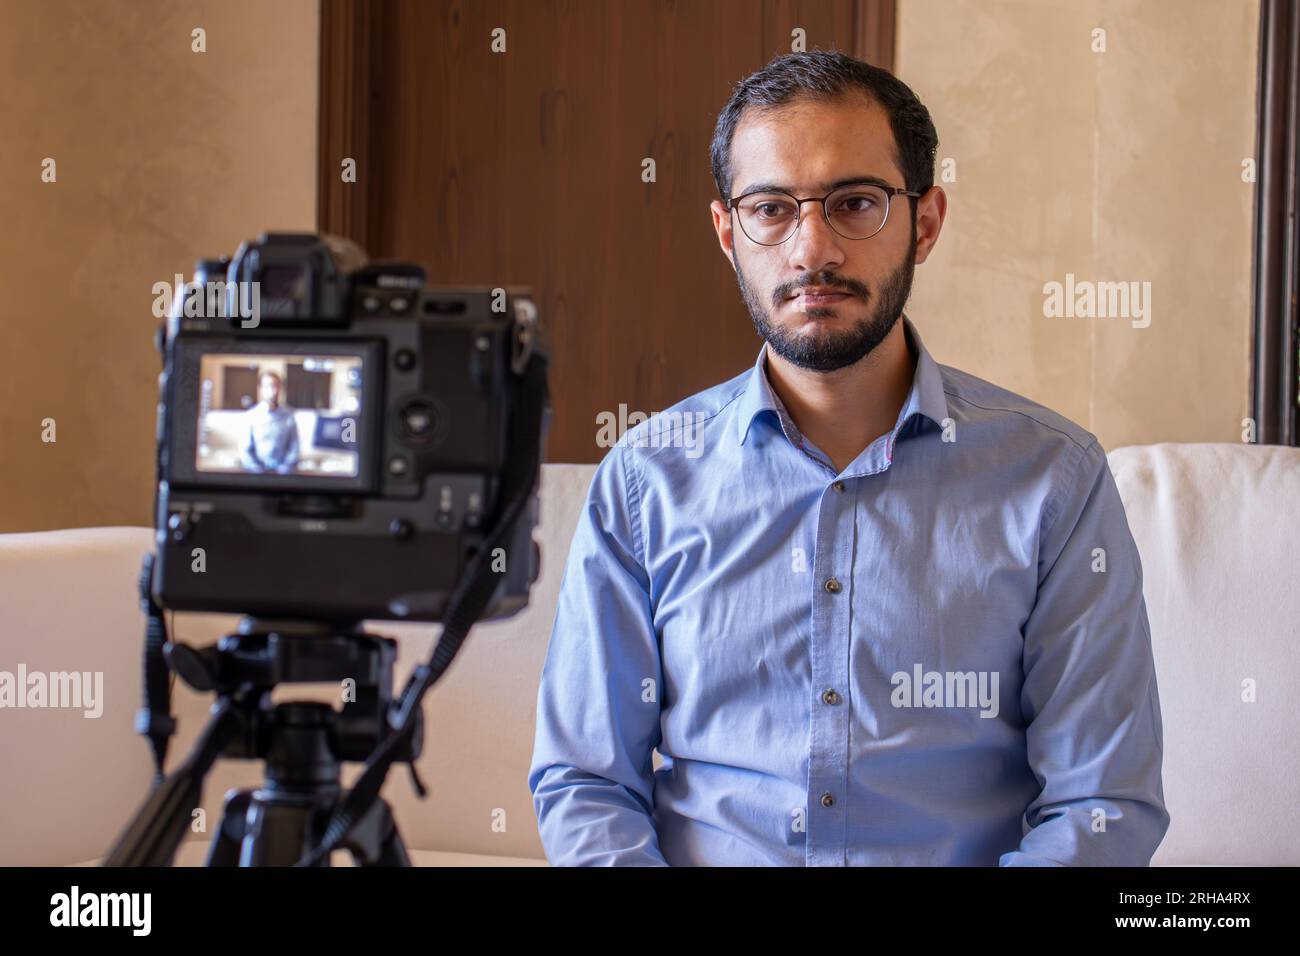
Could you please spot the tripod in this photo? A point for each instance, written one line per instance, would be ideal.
(303, 745)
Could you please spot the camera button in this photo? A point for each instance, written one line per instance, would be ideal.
(399, 528)
(371, 303)
(179, 523)
(419, 419)
(399, 304)
(398, 466)
(404, 360)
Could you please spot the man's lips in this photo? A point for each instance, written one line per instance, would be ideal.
(809, 299)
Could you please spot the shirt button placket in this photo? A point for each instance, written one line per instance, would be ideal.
(831, 646)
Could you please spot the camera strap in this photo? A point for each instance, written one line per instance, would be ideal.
(465, 606)
(154, 720)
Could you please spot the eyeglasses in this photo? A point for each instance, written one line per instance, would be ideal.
(856, 211)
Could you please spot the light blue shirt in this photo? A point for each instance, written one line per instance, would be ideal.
(940, 655)
(270, 439)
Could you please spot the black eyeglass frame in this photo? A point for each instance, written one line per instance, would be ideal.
(889, 191)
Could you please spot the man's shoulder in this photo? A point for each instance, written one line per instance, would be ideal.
(1019, 439)
(980, 403)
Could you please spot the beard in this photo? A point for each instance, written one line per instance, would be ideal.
(824, 349)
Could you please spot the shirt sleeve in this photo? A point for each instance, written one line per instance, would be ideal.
(1094, 734)
(290, 459)
(248, 454)
(598, 707)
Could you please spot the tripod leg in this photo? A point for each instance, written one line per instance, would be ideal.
(393, 852)
(375, 841)
(154, 833)
(280, 827)
(230, 834)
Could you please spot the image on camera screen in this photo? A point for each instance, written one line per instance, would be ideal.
(279, 414)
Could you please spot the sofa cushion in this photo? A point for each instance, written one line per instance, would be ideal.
(1218, 529)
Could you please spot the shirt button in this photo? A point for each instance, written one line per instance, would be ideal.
(833, 586)
(839, 486)
(831, 697)
(827, 800)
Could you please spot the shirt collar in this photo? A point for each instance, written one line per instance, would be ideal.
(926, 396)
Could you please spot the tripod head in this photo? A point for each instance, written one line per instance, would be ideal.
(247, 665)
(303, 744)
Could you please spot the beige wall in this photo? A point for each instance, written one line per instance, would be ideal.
(163, 156)
(1124, 165)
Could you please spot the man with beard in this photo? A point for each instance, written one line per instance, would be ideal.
(270, 440)
(798, 617)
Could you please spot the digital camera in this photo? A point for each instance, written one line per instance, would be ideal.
(332, 435)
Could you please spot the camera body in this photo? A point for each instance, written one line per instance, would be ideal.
(332, 435)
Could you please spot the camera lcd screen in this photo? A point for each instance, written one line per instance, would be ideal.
(279, 414)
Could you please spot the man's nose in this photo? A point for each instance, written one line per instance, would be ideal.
(815, 245)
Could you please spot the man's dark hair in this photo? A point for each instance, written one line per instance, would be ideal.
(829, 75)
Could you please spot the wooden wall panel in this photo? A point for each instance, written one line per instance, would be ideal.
(525, 167)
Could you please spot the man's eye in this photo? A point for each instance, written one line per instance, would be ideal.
(858, 204)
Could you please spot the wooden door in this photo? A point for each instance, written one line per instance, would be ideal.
(524, 165)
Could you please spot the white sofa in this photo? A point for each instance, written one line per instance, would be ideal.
(1218, 526)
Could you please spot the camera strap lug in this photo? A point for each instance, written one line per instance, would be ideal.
(525, 335)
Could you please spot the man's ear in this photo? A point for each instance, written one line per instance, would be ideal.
(930, 212)
(722, 226)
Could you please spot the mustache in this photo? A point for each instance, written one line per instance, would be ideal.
(847, 286)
